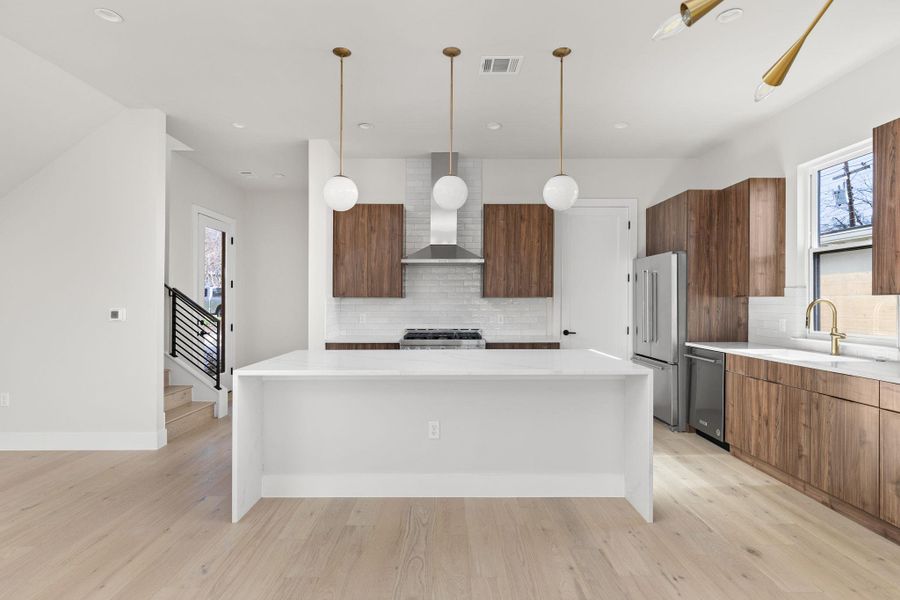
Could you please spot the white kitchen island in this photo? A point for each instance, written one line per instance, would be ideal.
(512, 423)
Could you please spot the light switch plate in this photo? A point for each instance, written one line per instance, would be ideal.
(4, 399)
(117, 314)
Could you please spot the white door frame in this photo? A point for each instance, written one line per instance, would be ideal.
(631, 204)
(198, 213)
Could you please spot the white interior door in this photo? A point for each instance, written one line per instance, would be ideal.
(595, 249)
(214, 279)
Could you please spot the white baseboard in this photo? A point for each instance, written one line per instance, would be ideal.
(453, 485)
(72, 440)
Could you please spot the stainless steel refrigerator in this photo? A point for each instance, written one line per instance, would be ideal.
(660, 316)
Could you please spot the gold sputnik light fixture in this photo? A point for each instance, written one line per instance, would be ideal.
(694, 10)
(690, 12)
(775, 76)
(450, 192)
(561, 191)
(340, 191)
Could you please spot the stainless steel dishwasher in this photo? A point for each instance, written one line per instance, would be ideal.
(707, 391)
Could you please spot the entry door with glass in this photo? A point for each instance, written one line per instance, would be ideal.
(214, 281)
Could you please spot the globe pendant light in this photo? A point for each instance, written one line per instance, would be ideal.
(340, 191)
(561, 191)
(450, 192)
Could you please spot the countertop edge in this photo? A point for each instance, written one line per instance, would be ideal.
(887, 371)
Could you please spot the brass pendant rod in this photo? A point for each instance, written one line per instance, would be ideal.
(341, 138)
(776, 75)
(816, 20)
(561, 172)
(450, 158)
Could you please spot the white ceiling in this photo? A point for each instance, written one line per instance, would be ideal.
(208, 63)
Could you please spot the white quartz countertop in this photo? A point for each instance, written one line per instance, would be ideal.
(499, 339)
(443, 363)
(847, 365)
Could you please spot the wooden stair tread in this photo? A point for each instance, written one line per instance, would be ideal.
(185, 410)
(174, 389)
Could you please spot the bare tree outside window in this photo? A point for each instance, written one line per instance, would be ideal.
(846, 196)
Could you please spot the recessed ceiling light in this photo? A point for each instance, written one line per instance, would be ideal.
(109, 15)
(365, 126)
(278, 175)
(494, 126)
(620, 125)
(732, 14)
(238, 125)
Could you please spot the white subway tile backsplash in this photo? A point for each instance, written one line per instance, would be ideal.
(446, 296)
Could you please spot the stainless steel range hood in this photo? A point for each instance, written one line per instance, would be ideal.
(443, 249)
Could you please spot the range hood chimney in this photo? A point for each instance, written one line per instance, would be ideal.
(443, 249)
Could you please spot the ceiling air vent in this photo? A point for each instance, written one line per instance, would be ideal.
(500, 65)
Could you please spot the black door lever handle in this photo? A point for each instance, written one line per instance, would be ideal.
(567, 332)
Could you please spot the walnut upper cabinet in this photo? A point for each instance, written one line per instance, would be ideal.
(886, 214)
(751, 238)
(367, 250)
(518, 251)
(689, 222)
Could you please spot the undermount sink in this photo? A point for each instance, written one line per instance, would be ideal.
(801, 355)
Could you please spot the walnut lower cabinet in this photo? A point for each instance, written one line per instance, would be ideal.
(890, 467)
(844, 437)
(770, 422)
(842, 451)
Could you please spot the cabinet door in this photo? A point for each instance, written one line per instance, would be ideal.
(367, 249)
(734, 240)
(789, 430)
(384, 251)
(886, 215)
(890, 467)
(759, 430)
(666, 229)
(844, 450)
(518, 251)
(766, 238)
(736, 406)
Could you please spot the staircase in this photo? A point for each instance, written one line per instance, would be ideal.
(182, 413)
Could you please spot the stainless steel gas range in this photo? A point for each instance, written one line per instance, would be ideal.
(442, 339)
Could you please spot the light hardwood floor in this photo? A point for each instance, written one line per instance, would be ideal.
(134, 525)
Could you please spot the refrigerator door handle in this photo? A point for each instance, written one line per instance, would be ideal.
(654, 302)
(646, 316)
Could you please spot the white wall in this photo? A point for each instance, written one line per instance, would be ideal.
(273, 292)
(83, 235)
(44, 112)
(189, 184)
(380, 180)
(323, 164)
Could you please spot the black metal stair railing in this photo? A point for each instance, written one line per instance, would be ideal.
(196, 335)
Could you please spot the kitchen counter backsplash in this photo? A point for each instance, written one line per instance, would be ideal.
(440, 296)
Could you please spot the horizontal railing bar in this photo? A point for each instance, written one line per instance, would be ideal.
(197, 312)
(191, 341)
(199, 353)
(182, 296)
(193, 325)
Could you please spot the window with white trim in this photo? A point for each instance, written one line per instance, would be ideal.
(842, 198)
